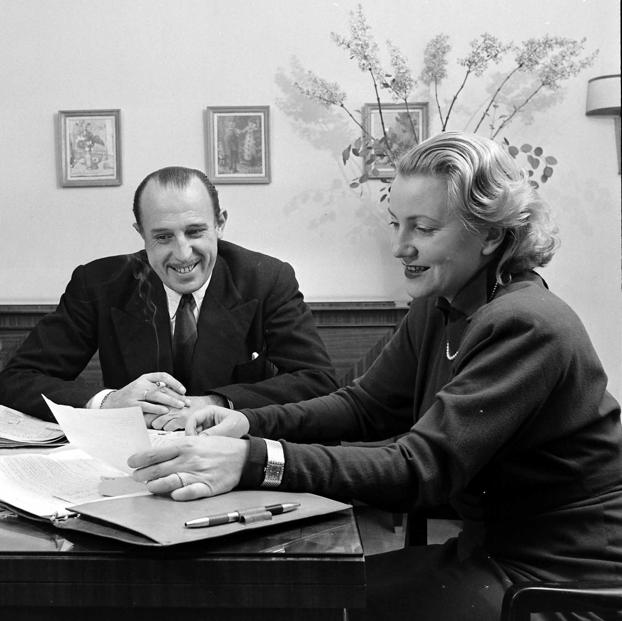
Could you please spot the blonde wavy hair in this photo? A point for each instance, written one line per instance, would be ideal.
(486, 189)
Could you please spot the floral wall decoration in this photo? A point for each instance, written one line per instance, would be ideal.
(519, 75)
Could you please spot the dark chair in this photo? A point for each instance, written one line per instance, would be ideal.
(522, 599)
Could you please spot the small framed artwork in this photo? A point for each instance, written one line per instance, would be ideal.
(89, 147)
(238, 144)
(405, 124)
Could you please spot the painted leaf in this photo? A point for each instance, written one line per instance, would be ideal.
(355, 184)
(534, 162)
(538, 151)
(513, 151)
(345, 154)
(547, 172)
(526, 148)
(550, 160)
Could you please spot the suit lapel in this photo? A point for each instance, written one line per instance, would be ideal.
(143, 330)
(144, 337)
(223, 326)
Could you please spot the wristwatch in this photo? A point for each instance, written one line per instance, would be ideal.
(273, 472)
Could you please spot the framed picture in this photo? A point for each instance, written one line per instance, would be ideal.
(406, 125)
(238, 144)
(89, 147)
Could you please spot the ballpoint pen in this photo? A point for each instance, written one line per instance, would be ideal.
(242, 515)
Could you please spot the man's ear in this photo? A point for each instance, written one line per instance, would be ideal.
(138, 229)
(492, 239)
(221, 220)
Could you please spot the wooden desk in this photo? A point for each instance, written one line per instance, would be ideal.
(311, 570)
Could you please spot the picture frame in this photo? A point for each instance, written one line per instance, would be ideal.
(399, 128)
(89, 147)
(238, 144)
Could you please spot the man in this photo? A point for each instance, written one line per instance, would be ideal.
(243, 337)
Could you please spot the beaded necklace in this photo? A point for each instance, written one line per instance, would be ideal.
(451, 356)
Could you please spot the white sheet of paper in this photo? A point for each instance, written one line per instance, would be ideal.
(111, 435)
(45, 484)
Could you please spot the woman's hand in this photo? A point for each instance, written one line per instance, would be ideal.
(193, 467)
(177, 418)
(216, 421)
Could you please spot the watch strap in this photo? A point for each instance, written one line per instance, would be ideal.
(275, 464)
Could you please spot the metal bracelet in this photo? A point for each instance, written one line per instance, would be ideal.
(101, 405)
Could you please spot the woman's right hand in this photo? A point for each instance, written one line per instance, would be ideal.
(214, 420)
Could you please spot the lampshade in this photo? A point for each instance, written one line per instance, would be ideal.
(603, 96)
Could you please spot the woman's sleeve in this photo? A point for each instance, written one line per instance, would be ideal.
(378, 406)
(504, 374)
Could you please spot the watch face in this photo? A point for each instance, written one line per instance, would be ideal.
(272, 470)
(272, 474)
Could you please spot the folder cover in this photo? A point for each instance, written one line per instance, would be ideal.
(151, 520)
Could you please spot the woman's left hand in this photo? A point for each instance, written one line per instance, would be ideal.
(192, 467)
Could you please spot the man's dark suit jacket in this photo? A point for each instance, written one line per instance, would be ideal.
(257, 343)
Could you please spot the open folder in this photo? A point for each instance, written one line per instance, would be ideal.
(87, 486)
(73, 501)
(89, 489)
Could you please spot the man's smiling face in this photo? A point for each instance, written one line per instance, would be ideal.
(181, 233)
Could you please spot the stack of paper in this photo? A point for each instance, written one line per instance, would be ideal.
(18, 429)
(91, 467)
(44, 485)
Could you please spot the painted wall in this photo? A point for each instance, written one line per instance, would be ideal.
(163, 62)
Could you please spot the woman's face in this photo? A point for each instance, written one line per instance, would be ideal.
(438, 253)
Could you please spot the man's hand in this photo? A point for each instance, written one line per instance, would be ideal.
(192, 467)
(216, 421)
(177, 418)
(155, 393)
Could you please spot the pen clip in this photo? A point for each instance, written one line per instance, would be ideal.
(254, 515)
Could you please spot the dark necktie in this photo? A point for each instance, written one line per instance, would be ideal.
(184, 338)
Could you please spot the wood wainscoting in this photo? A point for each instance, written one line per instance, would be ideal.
(354, 332)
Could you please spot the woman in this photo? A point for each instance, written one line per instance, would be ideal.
(491, 382)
